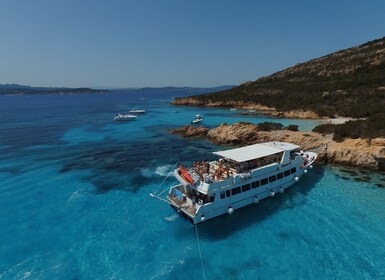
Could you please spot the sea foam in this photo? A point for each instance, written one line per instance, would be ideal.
(162, 171)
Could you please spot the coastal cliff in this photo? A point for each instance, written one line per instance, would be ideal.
(368, 154)
(271, 111)
(347, 83)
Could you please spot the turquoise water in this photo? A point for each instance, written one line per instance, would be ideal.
(75, 204)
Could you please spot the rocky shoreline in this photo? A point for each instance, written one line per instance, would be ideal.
(293, 114)
(362, 153)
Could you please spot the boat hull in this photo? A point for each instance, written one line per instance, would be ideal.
(235, 205)
(195, 122)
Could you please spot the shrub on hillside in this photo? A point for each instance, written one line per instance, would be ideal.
(268, 126)
(372, 127)
(292, 127)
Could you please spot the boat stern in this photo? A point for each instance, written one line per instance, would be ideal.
(183, 204)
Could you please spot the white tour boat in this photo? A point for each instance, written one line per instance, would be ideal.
(197, 119)
(123, 117)
(137, 111)
(240, 177)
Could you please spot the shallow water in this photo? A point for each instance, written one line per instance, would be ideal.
(74, 191)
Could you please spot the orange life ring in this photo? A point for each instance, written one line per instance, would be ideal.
(186, 175)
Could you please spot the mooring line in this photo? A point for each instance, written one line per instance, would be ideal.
(168, 188)
(165, 178)
(200, 253)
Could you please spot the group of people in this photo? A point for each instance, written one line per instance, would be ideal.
(202, 167)
(220, 171)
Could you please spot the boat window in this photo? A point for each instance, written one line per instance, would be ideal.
(272, 178)
(223, 195)
(246, 187)
(279, 175)
(292, 155)
(264, 181)
(212, 197)
(287, 173)
(293, 170)
(236, 190)
(228, 194)
(255, 184)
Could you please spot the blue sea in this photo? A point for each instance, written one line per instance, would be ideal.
(75, 204)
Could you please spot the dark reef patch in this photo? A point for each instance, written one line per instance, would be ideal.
(110, 165)
(13, 171)
(358, 179)
(350, 172)
(283, 235)
(367, 178)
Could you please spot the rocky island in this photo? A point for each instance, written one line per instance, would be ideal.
(363, 153)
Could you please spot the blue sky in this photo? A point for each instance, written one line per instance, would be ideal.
(180, 43)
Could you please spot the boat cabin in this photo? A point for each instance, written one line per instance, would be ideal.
(236, 164)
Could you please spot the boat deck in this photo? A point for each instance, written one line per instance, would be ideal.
(212, 175)
(183, 205)
(219, 171)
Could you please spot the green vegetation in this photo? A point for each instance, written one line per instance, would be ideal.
(292, 127)
(269, 126)
(347, 83)
(372, 127)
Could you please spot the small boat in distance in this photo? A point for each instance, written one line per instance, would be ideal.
(242, 176)
(123, 117)
(249, 112)
(197, 119)
(137, 111)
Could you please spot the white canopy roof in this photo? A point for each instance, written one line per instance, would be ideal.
(282, 145)
(256, 151)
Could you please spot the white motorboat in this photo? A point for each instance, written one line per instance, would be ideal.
(240, 177)
(123, 117)
(197, 119)
(137, 111)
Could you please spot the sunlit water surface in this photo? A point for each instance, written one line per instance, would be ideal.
(75, 204)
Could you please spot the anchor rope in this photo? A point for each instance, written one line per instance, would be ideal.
(162, 199)
(165, 178)
(200, 253)
(173, 185)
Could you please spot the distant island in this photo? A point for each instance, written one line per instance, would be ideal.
(192, 90)
(22, 89)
